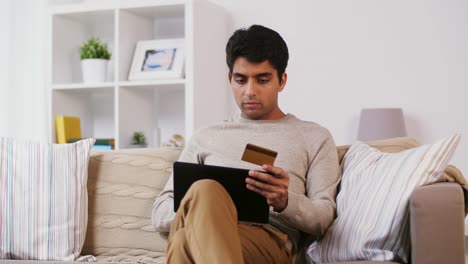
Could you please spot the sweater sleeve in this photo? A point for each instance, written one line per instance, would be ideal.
(314, 211)
(163, 207)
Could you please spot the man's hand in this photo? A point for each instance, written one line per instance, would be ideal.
(273, 187)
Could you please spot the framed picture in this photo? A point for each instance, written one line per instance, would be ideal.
(158, 59)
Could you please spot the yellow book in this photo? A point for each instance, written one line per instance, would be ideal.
(66, 128)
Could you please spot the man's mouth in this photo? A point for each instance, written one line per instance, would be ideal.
(250, 105)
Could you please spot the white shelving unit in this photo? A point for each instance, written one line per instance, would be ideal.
(118, 107)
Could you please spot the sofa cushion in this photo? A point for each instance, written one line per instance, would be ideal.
(372, 205)
(122, 186)
(390, 145)
(43, 199)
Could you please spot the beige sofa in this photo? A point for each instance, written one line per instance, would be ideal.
(122, 186)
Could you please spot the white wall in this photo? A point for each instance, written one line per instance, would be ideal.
(348, 55)
(5, 28)
(26, 70)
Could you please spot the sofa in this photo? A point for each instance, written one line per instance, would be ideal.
(122, 185)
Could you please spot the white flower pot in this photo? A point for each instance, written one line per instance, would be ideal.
(94, 70)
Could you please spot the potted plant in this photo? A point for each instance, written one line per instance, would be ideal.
(95, 57)
(138, 140)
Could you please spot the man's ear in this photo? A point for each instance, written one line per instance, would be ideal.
(229, 76)
(284, 78)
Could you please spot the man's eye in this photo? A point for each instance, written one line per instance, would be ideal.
(263, 81)
(240, 81)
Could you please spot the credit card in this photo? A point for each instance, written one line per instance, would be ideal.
(259, 155)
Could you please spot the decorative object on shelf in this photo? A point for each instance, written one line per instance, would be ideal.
(158, 59)
(95, 57)
(138, 140)
(381, 123)
(177, 141)
(66, 128)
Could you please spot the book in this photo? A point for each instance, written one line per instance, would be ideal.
(67, 127)
(99, 141)
(105, 141)
(102, 147)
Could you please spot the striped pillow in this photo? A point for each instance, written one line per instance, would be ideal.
(372, 205)
(43, 199)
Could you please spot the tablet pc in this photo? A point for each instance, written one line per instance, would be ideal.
(251, 206)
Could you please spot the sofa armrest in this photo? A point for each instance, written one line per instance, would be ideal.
(437, 224)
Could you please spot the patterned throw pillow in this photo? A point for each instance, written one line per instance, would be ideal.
(43, 199)
(372, 205)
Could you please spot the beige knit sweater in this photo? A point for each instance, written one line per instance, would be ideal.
(305, 150)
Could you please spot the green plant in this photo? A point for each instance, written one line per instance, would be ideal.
(139, 138)
(94, 49)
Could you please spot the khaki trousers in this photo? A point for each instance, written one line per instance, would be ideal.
(205, 230)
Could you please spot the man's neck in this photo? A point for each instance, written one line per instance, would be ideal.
(271, 116)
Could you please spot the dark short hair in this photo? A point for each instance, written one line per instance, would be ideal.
(258, 44)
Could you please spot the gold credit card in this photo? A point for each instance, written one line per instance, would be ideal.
(258, 155)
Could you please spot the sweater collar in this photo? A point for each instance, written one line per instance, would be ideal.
(285, 118)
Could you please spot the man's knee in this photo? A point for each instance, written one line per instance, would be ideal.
(207, 190)
(209, 194)
(206, 186)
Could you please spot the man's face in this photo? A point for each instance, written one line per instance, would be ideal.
(255, 87)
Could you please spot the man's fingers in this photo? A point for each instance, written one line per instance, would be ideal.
(260, 185)
(272, 184)
(257, 190)
(268, 183)
(277, 172)
(270, 180)
(264, 177)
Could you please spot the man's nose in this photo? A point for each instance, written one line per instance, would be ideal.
(250, 88)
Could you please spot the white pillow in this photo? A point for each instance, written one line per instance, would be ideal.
(372, 205)
(43, 199)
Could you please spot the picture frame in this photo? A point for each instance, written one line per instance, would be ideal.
(158, 59)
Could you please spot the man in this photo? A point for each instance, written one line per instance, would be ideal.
(300, 187)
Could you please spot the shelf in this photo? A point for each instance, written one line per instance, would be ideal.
(111, 4)
(70, 31)
(94, 107)
(118, 107)
(155, 12)
(89, 18)
(82, 86)
(143, 84)
(161, 86)
(148, 23)
(160, 113)
(152, 83)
